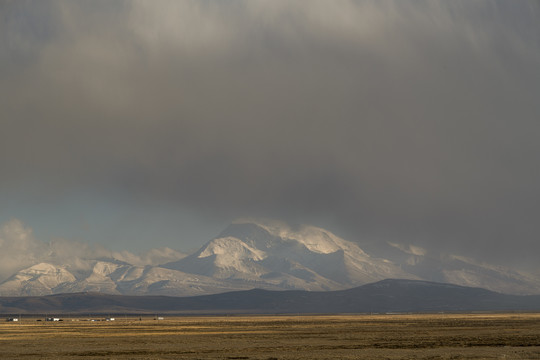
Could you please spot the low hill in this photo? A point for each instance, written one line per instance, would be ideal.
(383, 296)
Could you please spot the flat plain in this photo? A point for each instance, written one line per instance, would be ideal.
(399, 336)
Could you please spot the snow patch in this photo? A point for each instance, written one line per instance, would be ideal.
(230, 249)
(410, 249)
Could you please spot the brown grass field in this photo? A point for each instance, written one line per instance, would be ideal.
(441, 336)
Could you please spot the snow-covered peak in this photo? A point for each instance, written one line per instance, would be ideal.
(151, 257)
(42, 276)
(314, 238)
(231, 249)
(257, 253)
(43, 269)
(105, 268)
(321, 241)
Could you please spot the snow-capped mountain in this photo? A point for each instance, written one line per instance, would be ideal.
(261, 254)
(40, 279)
(112, 277)
(458, 270)
(272, 254)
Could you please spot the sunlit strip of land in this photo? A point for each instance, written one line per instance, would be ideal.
(465, 336)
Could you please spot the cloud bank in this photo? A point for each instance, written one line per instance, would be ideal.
(19, 249)
(413, 121)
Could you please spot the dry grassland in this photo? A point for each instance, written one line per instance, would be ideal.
(473, 336)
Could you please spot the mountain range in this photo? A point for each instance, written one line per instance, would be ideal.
(269, 255)
(391, 295)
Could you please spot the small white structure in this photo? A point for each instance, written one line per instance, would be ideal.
(109, 319)
(52, 319)
(12, 319)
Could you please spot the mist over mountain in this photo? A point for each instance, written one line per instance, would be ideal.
(249, 253)
(128, 123)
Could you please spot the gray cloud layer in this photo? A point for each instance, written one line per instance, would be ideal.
(400, 120)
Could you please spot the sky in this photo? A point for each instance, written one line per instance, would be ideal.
(135, 125)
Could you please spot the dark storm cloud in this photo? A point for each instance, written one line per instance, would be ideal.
(400, 120)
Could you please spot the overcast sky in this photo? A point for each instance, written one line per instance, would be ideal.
(142, 124)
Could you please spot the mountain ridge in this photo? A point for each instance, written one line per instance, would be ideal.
(264, 254)
(391, 295)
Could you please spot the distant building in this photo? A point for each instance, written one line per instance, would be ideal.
(52, 319)
(12, 319)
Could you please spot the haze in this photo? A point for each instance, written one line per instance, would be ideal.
(132, 125)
